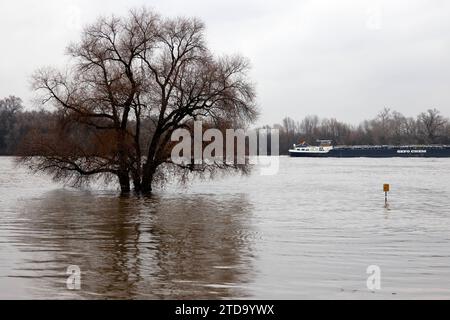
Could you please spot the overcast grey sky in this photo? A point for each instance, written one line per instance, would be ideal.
(346, 59)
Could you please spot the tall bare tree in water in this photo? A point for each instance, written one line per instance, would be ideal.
(132, 82)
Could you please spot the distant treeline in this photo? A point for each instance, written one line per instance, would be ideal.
(16, 124)
(388, 128)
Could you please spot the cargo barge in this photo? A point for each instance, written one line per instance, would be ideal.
(326, 150)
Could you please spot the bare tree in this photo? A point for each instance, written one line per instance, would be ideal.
(334, 130)
(290, 126)
(309, 127)
(431, 124)
(398, 128)
(9, 108)
(381, 127)
(132, 83)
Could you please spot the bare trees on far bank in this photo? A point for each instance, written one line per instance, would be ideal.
(433, 127)
(9, 108)
(388, 128)
(16, 124)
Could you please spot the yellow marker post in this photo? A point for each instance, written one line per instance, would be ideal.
(386, 188)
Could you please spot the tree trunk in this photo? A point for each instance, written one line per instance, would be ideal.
(147, 179)
(137, 184)
(124, 180)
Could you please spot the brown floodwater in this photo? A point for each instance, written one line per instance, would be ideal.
(309, 231)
